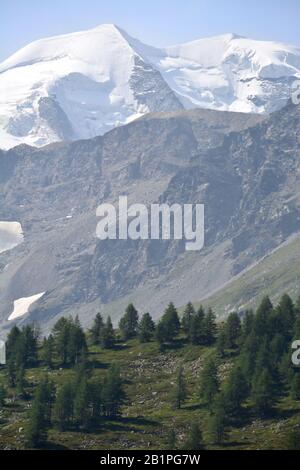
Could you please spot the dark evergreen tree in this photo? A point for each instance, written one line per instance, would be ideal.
(221, 341)
(107, 338)
(235, 392)
(113, 393)
(97, 329)
(81, 403)
(197, 332)
(210, 327)
(61, 333)
(64, 405)
(194, 439)
(218, 420)
(179, 393)
(232, 330)
(129, 323)
(262, 317)
(37, 425)
(209, 381)
(262, 392)
(48, 351)
(146, 328)
(187, 316)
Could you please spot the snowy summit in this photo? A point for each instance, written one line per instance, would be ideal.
(83, 84)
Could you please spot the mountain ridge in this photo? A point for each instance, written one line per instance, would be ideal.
(79, 85)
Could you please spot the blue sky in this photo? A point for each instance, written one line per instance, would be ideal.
(158, 22)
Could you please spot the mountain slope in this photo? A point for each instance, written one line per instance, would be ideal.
(276, 273)
(83, 84)
(244, 168)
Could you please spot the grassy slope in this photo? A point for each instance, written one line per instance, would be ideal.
(147, 414)
(276, 273)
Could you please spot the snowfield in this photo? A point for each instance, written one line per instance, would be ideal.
(21, 306)
(11, 235)
(83, 84)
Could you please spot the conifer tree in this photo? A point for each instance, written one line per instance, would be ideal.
(262, 392)
(36, 428)
(210, 327)
(81, 403)
(188, 314)
(107, 337)
(61, 332)
(194, 439)
(48, 351)
(146, 328)
(113, 394)
(232, 330)
(64, 405)
(218, 420)
(179, 394)
(221, 341)
(197, 332)
(97, 329)
(209, 382)
(235, 392)
(129, 323)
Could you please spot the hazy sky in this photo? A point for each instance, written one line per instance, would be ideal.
(158, 22)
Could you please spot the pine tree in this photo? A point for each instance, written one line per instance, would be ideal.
(146, 328)
(64, 405)
(76, 347)
(48, 351)
(262, 317)
(262, 392)
(235, 392)
(232, 330)
(97, 329)
(168, 326)
(197, 333)
(20, 381)
(179, 394)
(95, 399)
(221, 341)
(107, 337)
(209, 382)
(188, 314)
(81, 403)
(61, 332)
(129, 323)
(112, 394)
(218, 420)
(210, 327)
(11, 342)
(36, 428)
(194, 439)
(172, 319)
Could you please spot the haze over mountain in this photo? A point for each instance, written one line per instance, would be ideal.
(83, 84)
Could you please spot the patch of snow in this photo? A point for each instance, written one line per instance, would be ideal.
(11, 235)
(22, 305)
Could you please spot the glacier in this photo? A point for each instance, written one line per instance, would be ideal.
(80, 85)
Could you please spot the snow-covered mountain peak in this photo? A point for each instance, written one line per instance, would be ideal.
(82, 84)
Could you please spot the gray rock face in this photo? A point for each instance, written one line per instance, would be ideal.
(244, 168)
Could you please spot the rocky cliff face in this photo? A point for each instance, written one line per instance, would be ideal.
(244, 168)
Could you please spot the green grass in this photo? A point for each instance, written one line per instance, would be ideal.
(147, 414)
